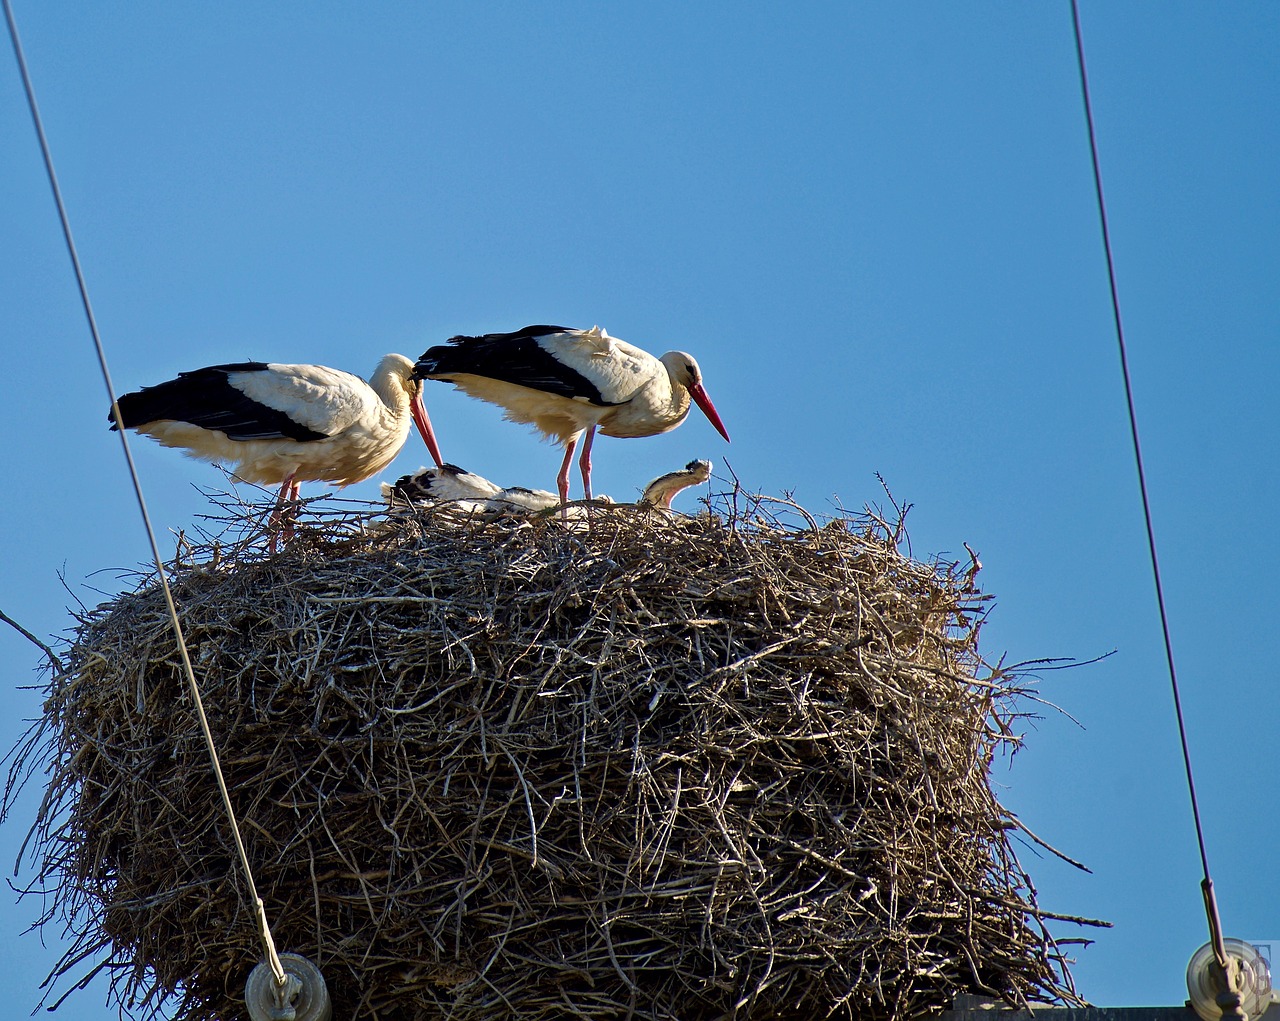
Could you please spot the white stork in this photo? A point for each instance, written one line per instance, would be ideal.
(285, 424)
(570, 382)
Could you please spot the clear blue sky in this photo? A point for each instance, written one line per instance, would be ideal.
(873, 224)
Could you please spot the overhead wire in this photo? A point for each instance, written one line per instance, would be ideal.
(273, 958)
(1211, 905)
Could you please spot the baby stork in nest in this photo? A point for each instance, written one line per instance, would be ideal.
(472, 493)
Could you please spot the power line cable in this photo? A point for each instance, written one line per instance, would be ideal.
(1206, 885)
(272, 956)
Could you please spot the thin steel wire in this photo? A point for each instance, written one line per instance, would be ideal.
(1211, 906)
(272, 956)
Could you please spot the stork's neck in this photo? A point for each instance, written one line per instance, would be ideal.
(677, 403)
(676, 364)
(391, 381)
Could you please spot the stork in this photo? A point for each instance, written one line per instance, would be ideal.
(568, 383)
(285, 424)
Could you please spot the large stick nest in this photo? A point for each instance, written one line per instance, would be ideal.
(728, 766)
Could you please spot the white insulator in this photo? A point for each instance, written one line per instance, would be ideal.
(305, 997)
(1253, 980)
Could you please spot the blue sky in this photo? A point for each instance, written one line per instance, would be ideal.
(874, 226)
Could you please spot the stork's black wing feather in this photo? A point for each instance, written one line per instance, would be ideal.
(513, 358)
(207, 398)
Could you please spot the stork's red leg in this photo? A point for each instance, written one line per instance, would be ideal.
(562, 480)
(291, 509)
(584, 463)
(280, 520)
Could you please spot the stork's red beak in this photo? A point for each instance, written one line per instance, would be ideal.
(700, 398)
(420, 419)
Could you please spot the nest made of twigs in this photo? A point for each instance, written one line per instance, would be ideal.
(727, 766)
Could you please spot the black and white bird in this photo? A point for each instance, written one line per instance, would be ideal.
(446, 483)
(568, 383)
(285, 424)
(471, 493)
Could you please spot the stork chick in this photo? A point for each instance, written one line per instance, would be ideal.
(659, 493)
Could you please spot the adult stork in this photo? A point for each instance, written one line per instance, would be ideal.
(285, 424)
(568, 383)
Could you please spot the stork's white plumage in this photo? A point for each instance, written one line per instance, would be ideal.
(285, 424)
(569, 383)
